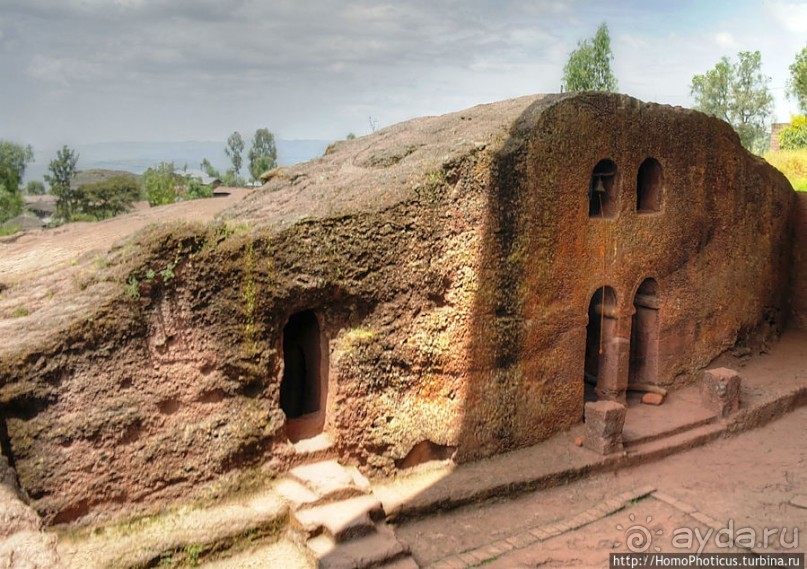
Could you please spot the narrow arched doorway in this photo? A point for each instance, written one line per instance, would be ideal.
(644, 335)
(304, 384)
(601, 364)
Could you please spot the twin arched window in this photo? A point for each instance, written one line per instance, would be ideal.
(602, 192)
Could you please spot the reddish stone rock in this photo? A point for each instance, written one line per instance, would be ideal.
(604, 422)
(652, 399)
(720, 391)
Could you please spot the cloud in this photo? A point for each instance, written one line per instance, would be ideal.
(725, 39)
(182, 69)
(792, 16)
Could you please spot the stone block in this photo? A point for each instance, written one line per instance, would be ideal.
(720, 391)
(652, 399)
(604, 423)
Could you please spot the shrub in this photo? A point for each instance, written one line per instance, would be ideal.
(10, 204)
(793, 164)
(160, 184)
(794, 136)
(108, 198)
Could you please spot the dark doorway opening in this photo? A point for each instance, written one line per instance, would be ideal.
(304, 384)
(602, 198)
(648, 186)
(644, 335)
(601, 359)
(5, 443)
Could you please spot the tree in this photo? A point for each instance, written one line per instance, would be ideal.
(589, 66)
(797, 85)
(10, 204)
(263, 154)
(227, 179)
(35, 188)
(108, 198)
(235, 146)
(62, 169)
(737, 93)
(160, 184)
(208, 169)
(13, 160)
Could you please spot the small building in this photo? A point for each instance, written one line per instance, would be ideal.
(201, 176)
(776, 130)
(43, 207)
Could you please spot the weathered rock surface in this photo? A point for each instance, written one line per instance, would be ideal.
(23, 543)
(450, 263)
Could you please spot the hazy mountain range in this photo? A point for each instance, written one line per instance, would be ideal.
(136, 157)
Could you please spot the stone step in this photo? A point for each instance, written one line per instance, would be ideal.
(329, 480)
(296, 495)
(373, 550)
(315, 449)
(342, 521)
(677, 430)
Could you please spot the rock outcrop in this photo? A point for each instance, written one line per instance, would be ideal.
(446, 283)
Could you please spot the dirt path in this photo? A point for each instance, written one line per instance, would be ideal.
(749, 480)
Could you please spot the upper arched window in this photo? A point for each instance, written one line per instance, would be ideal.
(649, 183)
(602, 198)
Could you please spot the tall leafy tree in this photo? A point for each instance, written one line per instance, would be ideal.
(589, 66)
(62, 170)
(262, 154)
(13, 160)
(797, 85)
(737, 93)
(235, 146)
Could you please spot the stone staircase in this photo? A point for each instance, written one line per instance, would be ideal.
(338, 519)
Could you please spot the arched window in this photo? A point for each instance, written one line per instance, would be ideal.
(649, 183)
(602, 198)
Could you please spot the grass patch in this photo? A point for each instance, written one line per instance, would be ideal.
(10, 230)
(358, 337)
(19, 312)
(791, 163)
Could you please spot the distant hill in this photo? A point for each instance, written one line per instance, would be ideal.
(137, 157)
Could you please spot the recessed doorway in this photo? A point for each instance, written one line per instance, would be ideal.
(303, 389)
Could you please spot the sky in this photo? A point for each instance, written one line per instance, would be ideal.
(91, 71)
